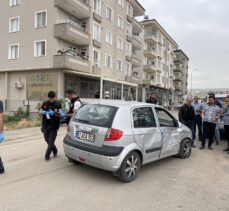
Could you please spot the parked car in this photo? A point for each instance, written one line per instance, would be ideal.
(120, 137)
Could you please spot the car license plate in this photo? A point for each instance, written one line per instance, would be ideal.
(85, 136)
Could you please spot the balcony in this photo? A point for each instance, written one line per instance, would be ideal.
(150, 53)
(149, 82)
(97, 16)
(136, 62)
(78, 8)
(150, 68)
(133, 79)
(72, 32)
(71, 62)
(136, 43)
(137, 28)
(178, 92)
(128, 58)
(128, 38)
(129, 18)
(178, 76)
(138, 9)
(151, 39)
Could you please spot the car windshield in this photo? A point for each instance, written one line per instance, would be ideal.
(99, 115)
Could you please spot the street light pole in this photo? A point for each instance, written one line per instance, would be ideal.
(191, 80)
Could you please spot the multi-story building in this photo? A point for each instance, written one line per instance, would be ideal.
(180, 75)
(88, 46)
(158, 62)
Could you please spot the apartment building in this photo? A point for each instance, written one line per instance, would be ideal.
(180, 75)
(158, 62)
(91, 46)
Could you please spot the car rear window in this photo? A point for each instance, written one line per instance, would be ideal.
(98, 115)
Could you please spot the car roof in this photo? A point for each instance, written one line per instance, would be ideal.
(120, 103)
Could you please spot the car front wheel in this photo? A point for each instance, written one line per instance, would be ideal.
(130, 167)
(185, 149)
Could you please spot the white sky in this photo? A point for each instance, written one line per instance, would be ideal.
(201, 28)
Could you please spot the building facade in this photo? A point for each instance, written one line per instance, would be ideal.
(93, 47)
(158, 74)
(180, 76)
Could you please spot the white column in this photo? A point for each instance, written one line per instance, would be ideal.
(122, 89)
(136, 93)
(60, 84)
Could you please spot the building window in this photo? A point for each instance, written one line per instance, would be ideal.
(96, 57)
(109, 37)
(14, 2)
(96, 32)
(119, 43)
(128, 29)
(13, 51)
(40, 19)
(121, 3)
(108, 61)
(120, 22)
(128, 49)
(40, 48)
(129, 9)
(119, 65)
(97, 7)
(14, 24)
(109, 13)
(127, 69)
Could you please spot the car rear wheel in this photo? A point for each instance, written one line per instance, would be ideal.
(130, 167)
(185, 149)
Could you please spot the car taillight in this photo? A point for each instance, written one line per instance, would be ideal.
(113, 135)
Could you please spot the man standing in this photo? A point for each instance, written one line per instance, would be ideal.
(198, 107)
(2, 170)
(75, 103)
(152, 99)
(211, 114)
(187, 115)
(50, 123)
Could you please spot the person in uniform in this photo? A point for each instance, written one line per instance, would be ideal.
(51, 112)
(75, 104)
(2, 170)
(152, 99)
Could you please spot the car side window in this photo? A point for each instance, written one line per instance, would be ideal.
(164, 118)
(143, 117)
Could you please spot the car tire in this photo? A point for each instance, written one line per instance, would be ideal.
(130, 167)
(185, 149)
(75, 162)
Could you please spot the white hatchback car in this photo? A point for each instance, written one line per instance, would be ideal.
(121, 136)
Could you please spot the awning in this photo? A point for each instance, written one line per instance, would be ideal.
(100, 77)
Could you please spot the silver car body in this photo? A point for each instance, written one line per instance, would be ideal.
(153, 143)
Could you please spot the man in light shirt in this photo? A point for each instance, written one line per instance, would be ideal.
(211, 114)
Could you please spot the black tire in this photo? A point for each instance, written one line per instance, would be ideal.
(130, 167)
(75, 162)
(185, 149)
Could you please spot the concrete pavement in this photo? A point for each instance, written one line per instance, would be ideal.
(30, 183)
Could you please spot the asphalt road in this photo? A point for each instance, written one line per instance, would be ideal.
(198, 183)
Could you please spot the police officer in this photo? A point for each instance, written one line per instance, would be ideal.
(75, 103)
(51, 112)
(2, 170)
(152, 99)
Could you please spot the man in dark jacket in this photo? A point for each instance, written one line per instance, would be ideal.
(187, 116)
(152, 99)
(50, 111)
(2, 170)
(75, 104)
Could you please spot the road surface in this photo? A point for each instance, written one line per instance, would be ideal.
(198, 183)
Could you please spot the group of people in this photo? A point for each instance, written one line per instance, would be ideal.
(205, 117)
(51, 112)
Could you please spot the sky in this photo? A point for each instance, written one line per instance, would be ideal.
(201, 29)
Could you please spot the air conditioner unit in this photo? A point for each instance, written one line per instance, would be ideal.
(19, 85)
